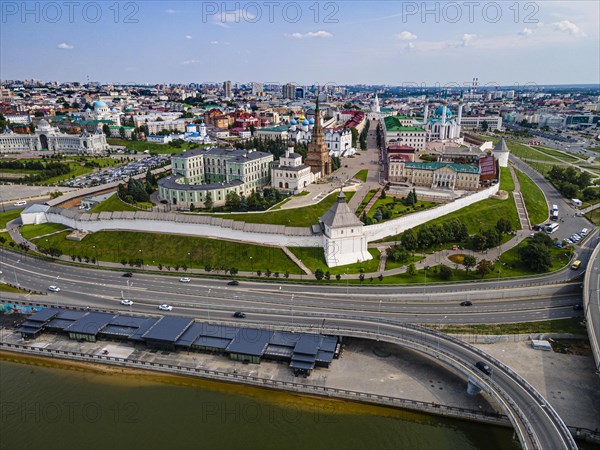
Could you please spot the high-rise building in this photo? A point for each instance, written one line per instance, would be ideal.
(317, 156)
(227, 89)
(257, 88)
(289, 91)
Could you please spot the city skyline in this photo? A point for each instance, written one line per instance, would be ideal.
(422, 43)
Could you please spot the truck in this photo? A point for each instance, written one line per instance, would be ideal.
(576, 202)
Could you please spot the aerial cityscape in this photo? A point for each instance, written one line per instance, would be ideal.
(300, 225)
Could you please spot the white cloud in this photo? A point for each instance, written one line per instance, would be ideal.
(188, 36)
(214, 42)
(568, 27)
(171, 11)
(406, 36)
(64, 46)
(526, 32)
(236, 16)
(467, 39)
(191, 61)
(312, 34)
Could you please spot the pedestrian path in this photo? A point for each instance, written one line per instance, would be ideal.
(296, 261)
(520, 202)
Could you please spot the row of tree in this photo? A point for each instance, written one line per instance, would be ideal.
(569, 181)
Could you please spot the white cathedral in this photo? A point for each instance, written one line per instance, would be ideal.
(47, 137)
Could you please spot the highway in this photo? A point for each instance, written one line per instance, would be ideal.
(591, 304)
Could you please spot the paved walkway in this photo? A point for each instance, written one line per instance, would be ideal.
(519, 202)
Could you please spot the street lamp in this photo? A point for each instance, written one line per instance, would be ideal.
(439, 326)
(190, 257)
(292, 305)
(252, 264)
(378, 319)
(208, 305)
(96, 253)
(142, 258)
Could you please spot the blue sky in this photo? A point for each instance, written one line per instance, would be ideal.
(347, 42)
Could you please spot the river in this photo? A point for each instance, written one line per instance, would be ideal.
(47, 404)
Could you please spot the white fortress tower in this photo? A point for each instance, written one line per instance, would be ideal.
(343, 239)
(501, 153)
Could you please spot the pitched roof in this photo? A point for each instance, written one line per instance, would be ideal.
(340, 215)
(501, 146)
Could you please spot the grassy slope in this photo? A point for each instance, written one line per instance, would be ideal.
(32, 231)
(535, 202)
(362, 175)
(314, 258)
(7, 216)
(173, 249)
(506, 181)
(298, 217)
(113, 203)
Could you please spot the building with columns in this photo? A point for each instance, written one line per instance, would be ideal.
(343, 239)
(47, 137)
(435, 175)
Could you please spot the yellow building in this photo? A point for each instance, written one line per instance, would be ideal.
(435, 175)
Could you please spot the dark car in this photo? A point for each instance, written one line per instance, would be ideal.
(128, 274)
(233, 283)
(483, 367)
(578, 307)
(466, 303)
(239, 315)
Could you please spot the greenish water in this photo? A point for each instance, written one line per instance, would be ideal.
(69, 407)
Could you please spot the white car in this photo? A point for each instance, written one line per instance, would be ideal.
(184, 280)
(20, 203)
(165, 307)
(584, 232)
(126, 302)
(53, 288)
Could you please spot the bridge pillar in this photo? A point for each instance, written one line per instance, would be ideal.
(472, 387)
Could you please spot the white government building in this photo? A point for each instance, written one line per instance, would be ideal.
(215, 172)
(50, 138)
(291, 175)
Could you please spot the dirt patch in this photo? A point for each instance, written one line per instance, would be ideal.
(572, 346)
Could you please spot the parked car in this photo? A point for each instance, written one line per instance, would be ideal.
(483, 367)
(128, 274)
(20, 203)
(239, 315)
(165, 307)
(53, 288)
(126, 302)
(184, 280)
(233, 283)
(466, 303)
(584, 232)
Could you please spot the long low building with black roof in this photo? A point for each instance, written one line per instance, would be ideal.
(303, 351)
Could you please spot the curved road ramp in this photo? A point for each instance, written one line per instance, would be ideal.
(591, 303)
(536, 423)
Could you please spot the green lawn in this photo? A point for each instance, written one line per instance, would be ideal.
(361, 175)
(523, 151)
(314, 258)
(297, 217)
(511, 265)
(366, 200)
(593, 216)
(552, 152)
(170, 250)
(112, 203)
(573, 325)
(389, 264)
(535, 202)
(32, 231)
(7, 288)
(399, 209)
(7, 216)
(506, 182)
(542, 168)
(154, 148)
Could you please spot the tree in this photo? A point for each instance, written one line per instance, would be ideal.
(484, 267)
(338, 277)
(503, 225)
(233, 271)
(208, 201)
(409, 240)
(106, 130)
(485, 125)
(354, 136)
(378, 215)
(122, 132)
(536, 256)
(469, 262)
(445, 272)
(233, 201)
(319, 274)
(492, 238)
(327, 275)
(411, 270)
(479, 242)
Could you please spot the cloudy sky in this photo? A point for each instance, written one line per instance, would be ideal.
(346, 42)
